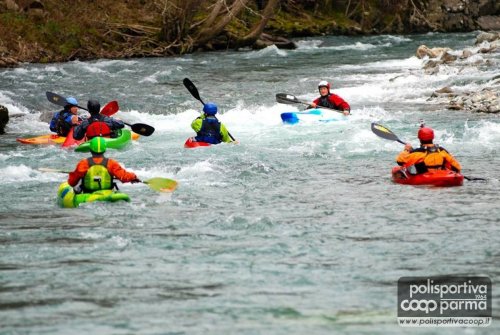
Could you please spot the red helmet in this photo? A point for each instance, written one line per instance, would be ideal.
(425, 134)
(324, 83)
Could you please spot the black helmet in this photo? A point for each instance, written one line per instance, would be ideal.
(94, 106)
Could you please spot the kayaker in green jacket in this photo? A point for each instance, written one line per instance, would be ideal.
(208, 129)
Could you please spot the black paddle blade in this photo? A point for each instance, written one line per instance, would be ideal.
(141, 129)
(474, 178)
(192, 89)
(384, 132)
(56, 99)
(59, 100)
(287, 99)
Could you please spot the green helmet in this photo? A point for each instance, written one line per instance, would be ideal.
(98, 145)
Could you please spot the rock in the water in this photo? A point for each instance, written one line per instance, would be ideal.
(4, 118)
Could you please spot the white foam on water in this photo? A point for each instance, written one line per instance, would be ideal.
(12, 174)
(271, 50)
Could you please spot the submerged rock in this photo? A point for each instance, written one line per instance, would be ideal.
(423, 51)
(4, 118)
(266, 40)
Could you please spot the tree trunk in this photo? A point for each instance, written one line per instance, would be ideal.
(209, 33)
(257, 29)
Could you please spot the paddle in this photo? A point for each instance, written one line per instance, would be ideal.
(108, 110)
(387, 134)
(59, 100)
(285, 98)
(383, 132)
(194, 92)
(157, 184)
(141, 128)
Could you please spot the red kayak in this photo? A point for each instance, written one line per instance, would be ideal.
(70, 141)
(192, 143)
(441, 178)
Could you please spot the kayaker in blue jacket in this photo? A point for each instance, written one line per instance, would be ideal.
(97, 124)
(62, 121)
(208, 129)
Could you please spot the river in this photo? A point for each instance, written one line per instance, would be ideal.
(295, 229)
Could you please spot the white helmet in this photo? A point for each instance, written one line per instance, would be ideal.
(324, 83)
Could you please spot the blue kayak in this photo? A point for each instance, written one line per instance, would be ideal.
(313, 115)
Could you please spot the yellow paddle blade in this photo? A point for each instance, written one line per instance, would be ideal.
(161, 184)
(381, 128)
(384, 132)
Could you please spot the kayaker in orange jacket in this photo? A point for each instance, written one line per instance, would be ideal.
(429, 156)
(97, 172)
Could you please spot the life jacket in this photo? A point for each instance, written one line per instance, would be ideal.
(97, 128)
(324, 101)
(97, 176)
(62, 127)
(210, 131)
(432, 160)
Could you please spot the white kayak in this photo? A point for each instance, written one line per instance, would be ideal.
(313, 115)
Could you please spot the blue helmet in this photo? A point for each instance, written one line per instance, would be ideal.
(71, 101)
(210, 108)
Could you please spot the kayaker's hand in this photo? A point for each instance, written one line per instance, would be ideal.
(408, 147)
(313, 105)
(346, 112)
(136, 180)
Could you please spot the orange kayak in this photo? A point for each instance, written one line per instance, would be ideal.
(53, 139)
(440, 178)
(43, 139)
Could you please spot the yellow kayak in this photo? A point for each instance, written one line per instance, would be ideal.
(43, 139)
(53, 139)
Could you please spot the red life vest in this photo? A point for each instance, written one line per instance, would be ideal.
(98, 128)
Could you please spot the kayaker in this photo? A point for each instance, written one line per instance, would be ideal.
(97, 124)
(62, 121)
(97, 172)
(208, 128)
(330, 100)
(429, 156)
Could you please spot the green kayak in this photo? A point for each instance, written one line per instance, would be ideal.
(67, 198)
(124, 138)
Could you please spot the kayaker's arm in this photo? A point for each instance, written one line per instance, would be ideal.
(451, 162)
(79, 172)
(80, 130)
(116, 170)
(196, 124)
(225, 134)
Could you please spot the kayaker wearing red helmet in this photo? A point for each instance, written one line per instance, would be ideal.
(429, 156)
(330, 100)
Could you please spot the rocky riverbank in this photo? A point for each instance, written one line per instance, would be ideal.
(44, 31)
(486, 100)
